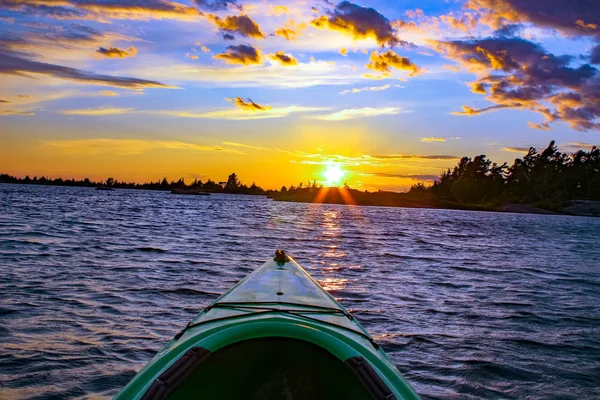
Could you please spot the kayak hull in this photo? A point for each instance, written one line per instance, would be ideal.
(282, 311)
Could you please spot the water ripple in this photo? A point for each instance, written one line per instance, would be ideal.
(467, 304)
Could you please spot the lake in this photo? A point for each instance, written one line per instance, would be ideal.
(466, 304)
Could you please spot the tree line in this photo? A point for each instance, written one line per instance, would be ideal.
(549, 178)
(231, 185)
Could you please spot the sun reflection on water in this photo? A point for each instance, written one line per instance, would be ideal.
(333, 284)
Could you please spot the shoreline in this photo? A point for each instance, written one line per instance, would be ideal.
(577, 208)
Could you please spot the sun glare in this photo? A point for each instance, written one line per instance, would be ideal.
(333, 174)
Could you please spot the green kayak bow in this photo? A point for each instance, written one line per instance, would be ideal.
(275, 335)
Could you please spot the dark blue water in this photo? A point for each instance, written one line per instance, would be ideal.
(467, 304)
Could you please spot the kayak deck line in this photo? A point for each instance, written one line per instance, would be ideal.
(251, 304)
(270, 310)
(276, 334)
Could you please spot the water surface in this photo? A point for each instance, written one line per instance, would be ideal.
(466, 304)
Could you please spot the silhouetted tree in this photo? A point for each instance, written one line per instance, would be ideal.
(549, 176)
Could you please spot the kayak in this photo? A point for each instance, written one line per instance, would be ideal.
(275, 335)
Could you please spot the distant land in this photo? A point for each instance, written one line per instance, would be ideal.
(549, 182)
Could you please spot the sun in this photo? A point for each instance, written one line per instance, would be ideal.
(333, 174)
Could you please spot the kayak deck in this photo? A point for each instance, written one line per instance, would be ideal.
(275, 335)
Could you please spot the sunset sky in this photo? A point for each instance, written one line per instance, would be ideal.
(393, 91)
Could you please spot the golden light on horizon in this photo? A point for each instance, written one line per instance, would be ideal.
(333, 174)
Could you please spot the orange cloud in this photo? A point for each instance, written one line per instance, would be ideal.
(568, 17)
(248, 105)
(240, 24)
(474, 111)
(478, 87)
(244, 54)
(283, 59)
(382, 62)
(279, 10)
(466, 22)
(516, 149)
(287, 33)
(359, 23)
(98, 111)
(108, 93)
(115, 52)
(544, 126)
(99, 11)
(17, 112)
(520, 73)
(589, 26)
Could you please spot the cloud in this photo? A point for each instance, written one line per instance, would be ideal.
(68, 41)
(216, 5)
(248, 105)
(578, 145)
(244, 54)
(382, 62)
(283, 59)
(239, 114)
(478, 87)
(465, 22)
(287, 33)
(246, 146)
(16, 65)
(240, 24)
(416, 157)
(544, 126)
(103, 11)
(21, 113)
(577, 18)
(519, 73)
(125, 147)
(417, 177)
(369, 89)
(256, 76)
(114, 52)
(447, 25)
(279, 10)
(595, 56)
(473, 111)
(366, 159)
(98, 111)
(359, 23)
(353, 113)
(344, 51)
(516, 149)
(432, 139)
(245, 110)
(108, 93)
(4, 101)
